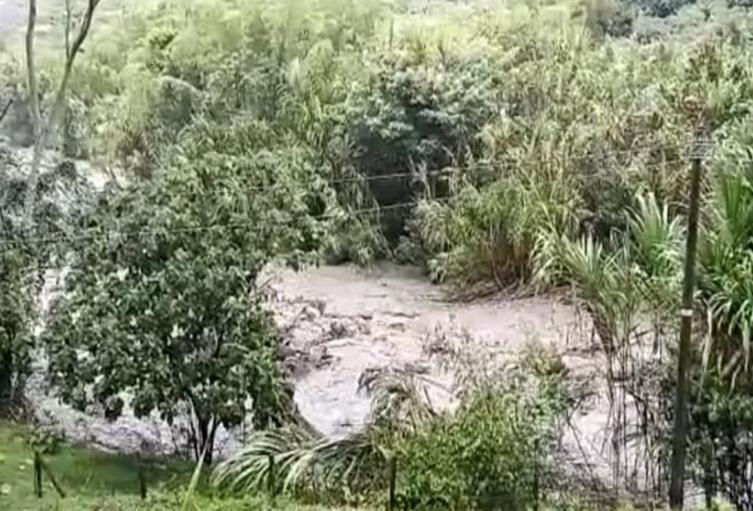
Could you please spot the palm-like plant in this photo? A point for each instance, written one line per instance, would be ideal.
(655, 245)
(305, 459)
(636, 272)
(727, 279)
(621, 285)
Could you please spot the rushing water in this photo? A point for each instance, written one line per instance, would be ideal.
(340, 322)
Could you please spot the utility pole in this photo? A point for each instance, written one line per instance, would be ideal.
(680, 430)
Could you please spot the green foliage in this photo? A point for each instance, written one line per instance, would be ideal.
(726, 262)
(170, 501)
(17, 313)
(62, 196)
(88, 476)
(489, 234)
(489, 454)
(161, 298)
(523, 139)
(96, 480)
(636, 277)
(721, 409)
(348, 468)
(365, 98)
(491, 449)
(45, 440)
(421, 112)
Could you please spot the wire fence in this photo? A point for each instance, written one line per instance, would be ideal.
(95, 233)
(544, 489)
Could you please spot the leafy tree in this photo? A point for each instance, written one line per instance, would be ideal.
(61, 197)
(16, 315)
(43, 128)
(162, 305)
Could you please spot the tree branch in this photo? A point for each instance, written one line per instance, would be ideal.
(5, 109)
(30, 66)
(43, 130)
(68, 18)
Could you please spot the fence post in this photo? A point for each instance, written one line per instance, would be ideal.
(54, 482)
(142, 479)
(680, 427)
(393, 480)
(271, 481)
(536, 478)
(37, 475)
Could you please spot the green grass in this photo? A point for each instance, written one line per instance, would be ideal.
(84, 474)
(98, 481)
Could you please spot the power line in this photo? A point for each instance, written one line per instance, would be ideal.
(398, 175)
(97, 232)
(498, 162)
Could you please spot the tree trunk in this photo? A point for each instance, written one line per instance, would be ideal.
(6, 382)
(206, 431)
(680, 427)
(42, 130)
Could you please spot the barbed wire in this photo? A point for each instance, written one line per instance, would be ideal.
(108, 234)
(94, 233)
(360, 179)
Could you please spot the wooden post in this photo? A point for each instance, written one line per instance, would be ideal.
(271, 481)
(142, 479)
(54, 482)
(37, 475)
(536, 476)
(680, 430)
(393, 481)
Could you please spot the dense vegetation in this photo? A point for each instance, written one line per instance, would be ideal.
(517, 147)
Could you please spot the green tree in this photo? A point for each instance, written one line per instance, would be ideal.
(61, 197)
(161, 305)
(16, 316)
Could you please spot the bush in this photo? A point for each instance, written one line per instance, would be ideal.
(421, 112)
(489, 234)
(491, 453)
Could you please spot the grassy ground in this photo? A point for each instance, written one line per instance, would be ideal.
(98, 481)
(82, 473)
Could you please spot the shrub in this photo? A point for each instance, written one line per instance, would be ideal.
(489, 234)
(419, 114)
(491, 453)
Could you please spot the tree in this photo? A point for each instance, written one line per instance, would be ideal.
(161, 306)
(61, 196)
(16, 316)
(43, 128)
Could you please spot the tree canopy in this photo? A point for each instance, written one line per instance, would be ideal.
(161, 307)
